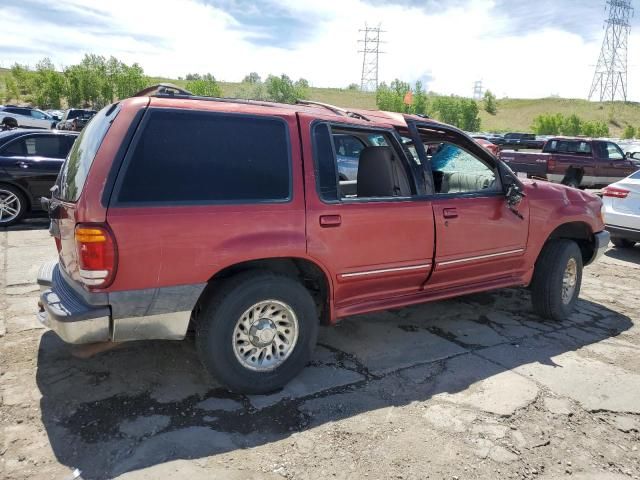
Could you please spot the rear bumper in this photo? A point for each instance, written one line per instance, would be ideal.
(602, 240)
(65, 312)
(79, 317)
(625, 233)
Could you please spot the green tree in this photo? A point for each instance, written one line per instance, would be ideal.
(447, 110)
(629, 132)
(490, 103)
(571, 126)
(11, 89)
(602, 130)
(469, 119)
(353, 87)
(48, 85)
(283, 90)
(420, 100)
(391, 97)
(595, 129)
(252, 78)
(548, 124)
(23, 78)
(205, 88)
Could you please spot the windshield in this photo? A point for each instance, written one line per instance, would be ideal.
(76, 168)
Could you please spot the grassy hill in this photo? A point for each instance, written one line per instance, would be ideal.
(513, 114)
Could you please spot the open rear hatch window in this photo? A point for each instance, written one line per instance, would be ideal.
(76, 167)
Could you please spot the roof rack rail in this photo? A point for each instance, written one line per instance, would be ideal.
(163, 89)
(337, 110)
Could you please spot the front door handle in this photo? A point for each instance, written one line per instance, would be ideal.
(450, 213)
(330, 221)
(22, 164)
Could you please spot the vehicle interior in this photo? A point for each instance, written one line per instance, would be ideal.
(457, 165)
(369, 164)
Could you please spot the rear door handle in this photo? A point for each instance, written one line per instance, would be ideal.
(450, 213)
(330, 221)
(22, 164)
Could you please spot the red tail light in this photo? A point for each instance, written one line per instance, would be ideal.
(615, 192)
(551, 164)
(97, 254)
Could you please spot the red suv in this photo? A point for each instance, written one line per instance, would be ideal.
(230, 217)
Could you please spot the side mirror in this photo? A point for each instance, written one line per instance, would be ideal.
(512, 187)
(628, 155)
(514, 195)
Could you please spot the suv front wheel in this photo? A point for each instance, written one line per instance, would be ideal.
(257, 331)
(557, 279)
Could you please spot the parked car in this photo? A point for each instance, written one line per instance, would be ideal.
(75, 119)
(28, 117)
(174, 212)
(577, 162)
(622, 211)
(55, 114)
(29, 164)
(519, 141)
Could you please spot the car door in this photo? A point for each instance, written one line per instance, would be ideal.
(377, 243)
(479, 239)
(34, 160)
(40, 119)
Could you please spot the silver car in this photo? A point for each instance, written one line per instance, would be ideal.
(28, 117)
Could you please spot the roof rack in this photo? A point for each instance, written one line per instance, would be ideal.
(337, 110)
(163, 89)
(173, 91)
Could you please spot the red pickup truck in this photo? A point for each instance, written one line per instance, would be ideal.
(174, 212)
(577, 162)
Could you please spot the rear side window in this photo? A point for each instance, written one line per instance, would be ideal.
(76, 168)
(186, 157)
(574, 147)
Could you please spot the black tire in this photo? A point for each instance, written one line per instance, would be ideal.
(622, 243)
(217, 320)
(572, 182)
(20, 203)
(547, 284)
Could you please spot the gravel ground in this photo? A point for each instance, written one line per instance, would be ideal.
(477, 387)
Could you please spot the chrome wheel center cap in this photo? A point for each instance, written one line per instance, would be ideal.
(262, 332)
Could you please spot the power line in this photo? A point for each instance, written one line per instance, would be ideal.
(611, 76)
(478, 90)
(370, 57)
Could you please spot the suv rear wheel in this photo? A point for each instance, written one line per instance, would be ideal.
(13, 205)
(557, 279)
(257, 331)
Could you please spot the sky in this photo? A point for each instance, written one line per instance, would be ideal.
(518, 48)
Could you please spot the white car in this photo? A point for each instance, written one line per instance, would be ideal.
(622, 211)
(28, 117)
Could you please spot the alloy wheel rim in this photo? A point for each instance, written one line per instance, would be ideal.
(9, 206)
(265, 335)
(569, 281)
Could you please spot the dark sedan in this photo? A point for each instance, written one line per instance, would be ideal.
(29, 164)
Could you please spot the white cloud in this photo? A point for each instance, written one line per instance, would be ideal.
(455, 46)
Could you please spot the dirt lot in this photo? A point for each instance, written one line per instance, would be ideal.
(473, 388)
